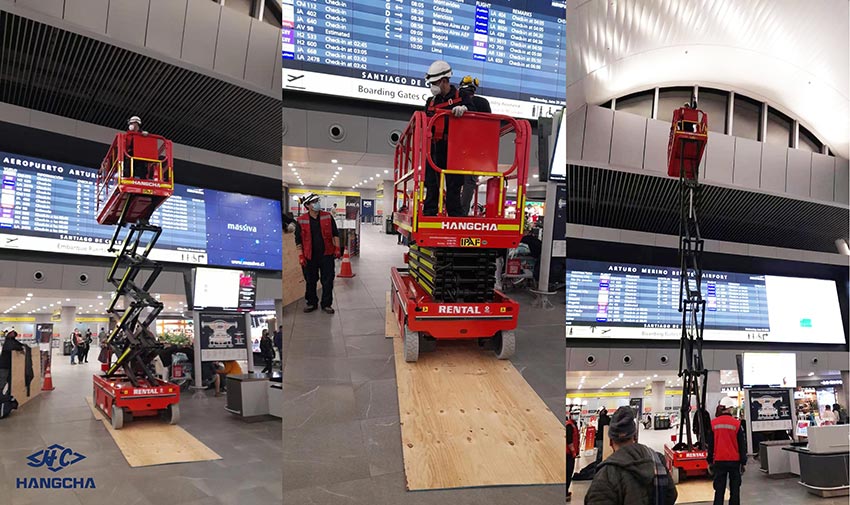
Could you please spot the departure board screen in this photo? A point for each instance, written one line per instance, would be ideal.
(51, 207)
(619, 300)
(381, 49)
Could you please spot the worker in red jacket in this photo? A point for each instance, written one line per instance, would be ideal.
(317, 241)
(727, 453)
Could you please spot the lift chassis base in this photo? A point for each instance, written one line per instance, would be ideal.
(422, 321)
(685, 463)
(121, 401)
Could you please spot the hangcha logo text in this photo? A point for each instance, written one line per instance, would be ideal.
(54, 458)
(468, 226)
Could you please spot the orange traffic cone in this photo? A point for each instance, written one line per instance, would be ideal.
(48, 380)
(345, 269)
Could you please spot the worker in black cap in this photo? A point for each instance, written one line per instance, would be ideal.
(634, 474)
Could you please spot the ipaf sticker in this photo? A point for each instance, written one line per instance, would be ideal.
(470, 242)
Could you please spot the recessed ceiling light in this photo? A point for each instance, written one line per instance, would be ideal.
(386, 171)
(333, 161)
(371, 178)
(289, 164)
(377, 175)
(294, 169)
(67, 299)
(535, 176)
(29, 294)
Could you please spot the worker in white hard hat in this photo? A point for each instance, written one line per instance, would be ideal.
(445, 97)
(317, 243)
(139, 168)
(727, 452)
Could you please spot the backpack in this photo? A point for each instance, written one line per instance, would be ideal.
(660, 481)
(7, 406)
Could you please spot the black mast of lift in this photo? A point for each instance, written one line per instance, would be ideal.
(691, 302)
(131, 340)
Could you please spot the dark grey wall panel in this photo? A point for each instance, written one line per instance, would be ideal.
(662, 359)
(260, 62)
(747, 163)
(165, 26)
(719, 158)
(295, 127)
(773, 162)
(798, 175)
(83, 277)
(353, 127)
(277, 85)
(597, 135)
(838, 361)
(88, 13)
(842, 181)
(627, 359)
(379, 130)
(232, 45)
(655, 152)
(201, 29)
(128, 21)
(575, 133)
(51, 7)
(51, 275)
(580, 359)
(627, 140)
(823, 177)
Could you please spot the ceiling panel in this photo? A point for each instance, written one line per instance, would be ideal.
(794, 55)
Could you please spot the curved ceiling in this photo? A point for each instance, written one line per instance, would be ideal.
(790, 54)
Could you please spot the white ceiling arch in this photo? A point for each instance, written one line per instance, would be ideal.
(791, 54)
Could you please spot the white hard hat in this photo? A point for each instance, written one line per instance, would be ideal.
(728, 403)
(438, 70)
(309, 198)
(135, 119)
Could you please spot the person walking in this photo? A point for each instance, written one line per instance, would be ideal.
(573, 450)
(727, 453)
(317, 242)
(267, 351)
(634, 474)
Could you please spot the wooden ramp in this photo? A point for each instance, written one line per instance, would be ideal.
(390, 321)
(696, 491)
(149, 442)
(469, 420)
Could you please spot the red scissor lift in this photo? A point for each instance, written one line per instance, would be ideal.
(135, 178)
(688, 138)
(447, 291)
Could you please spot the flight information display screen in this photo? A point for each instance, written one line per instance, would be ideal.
(381, 49)
(51, 207)
(620, 300)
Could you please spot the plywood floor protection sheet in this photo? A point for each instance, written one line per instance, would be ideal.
(470, 420)
(149, 442)
(696, 491)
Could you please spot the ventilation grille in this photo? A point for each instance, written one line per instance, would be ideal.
(630, 201)
(48, 69)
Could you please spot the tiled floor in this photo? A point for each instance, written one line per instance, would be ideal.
(249, 473)
(341, 423)
(756, 488)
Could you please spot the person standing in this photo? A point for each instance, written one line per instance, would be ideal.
(468, 87)
(601, 423)
(267, 351)
(727, 453)
(10, 343)
(634, 474)
(317, 242)
(445, 97)
(278, 341)
(75, 350)
(87, 340)
(101, 338)
(573, 450)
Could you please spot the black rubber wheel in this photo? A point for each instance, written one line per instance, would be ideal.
(505, 344)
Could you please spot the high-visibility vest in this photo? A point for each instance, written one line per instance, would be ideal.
(307, 236)
(440, 126)
(725, 429)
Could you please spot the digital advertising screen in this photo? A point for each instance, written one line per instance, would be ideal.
(381, 49)
(772, 369)
(558, 168)
(628, 301)
(51, 207)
